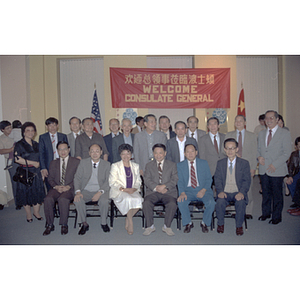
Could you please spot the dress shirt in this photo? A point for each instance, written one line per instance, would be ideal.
(217, 138)
(233, 163)
(167, 134)
(113, 135)
(181, 147)
(238, 134)
(74, 134)
(273, 132)
(195, 167)
(195, 134)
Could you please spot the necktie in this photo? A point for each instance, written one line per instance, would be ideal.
(53, 145)
(216, 144)
(95, 165)
(76, 134)
(192, 134)
(269, 137)
(63, 173)
(230, 167)
(159, 173)
(193, 176)
(240, 141)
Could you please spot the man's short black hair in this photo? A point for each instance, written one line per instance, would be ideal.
(94, 145)
(51, 120)
(213, 118)
(62, 142)
(138, 119)
(74, 118)
(4, 124)
(231, 140)
(190, 145)
(180, 122)
(159, 145)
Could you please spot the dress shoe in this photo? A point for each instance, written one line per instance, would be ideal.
(249, 217)
(287, 194)
(260, 192)
(296, 213)
(239, 231)
(188, 228)
(105, 228)
(274, 221)
(1, 206)
(29, 220)
(83, 229)
(149, 230)
(264, 218)
(292, 210)
(64, 229)
(204, 228)
(168, 231)
(220, 229)
(294, 205)
(40, 218)
(48, 230)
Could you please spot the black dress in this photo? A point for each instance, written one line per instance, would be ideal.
(34, 194)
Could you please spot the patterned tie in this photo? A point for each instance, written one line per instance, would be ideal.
(53, 145)
(269, 137)
(63, 172)
(95, 165)
(230, 167)
(192, 134)
(216, 144)
(240, 141)
(159, 173)
(193, 176)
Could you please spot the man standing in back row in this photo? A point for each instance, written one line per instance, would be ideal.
(274, 149)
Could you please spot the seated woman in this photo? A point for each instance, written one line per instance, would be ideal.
(27, 150)
(125, 183)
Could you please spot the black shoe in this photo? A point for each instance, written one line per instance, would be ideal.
(83, 229)
(48, 230)
(105, 228)
(64, 229)
(264, 218)
(287, 194)
(29, 220)
(40, 218)
(249, 217)
(18, 207)
(274, 221)
(294, 205)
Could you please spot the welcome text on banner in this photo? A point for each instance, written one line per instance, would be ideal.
(172, 88)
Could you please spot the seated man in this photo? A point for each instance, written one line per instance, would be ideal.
(91, 184)
(160, 179)
(194, 184)
(232, 181)
(60, 178)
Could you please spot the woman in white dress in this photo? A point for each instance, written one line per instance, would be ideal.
(125, 183)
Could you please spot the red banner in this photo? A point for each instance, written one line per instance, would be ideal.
(171, 88)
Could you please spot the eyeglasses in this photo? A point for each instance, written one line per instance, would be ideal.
(229, 149)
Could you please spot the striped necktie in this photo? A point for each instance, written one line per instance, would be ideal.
(193, 176)
(159, 173)
(63, 172)
(53, 145)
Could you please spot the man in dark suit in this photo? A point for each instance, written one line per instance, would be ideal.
(211, 144)
(91, 184)
(193, 131)
(273, 151)
(114, 127)
(75, 126)
(232, 181)
(194, 184)
(47, 146)
(123, 138)
(160, 179)
(175, 145)
(60, 178)
(165, 127)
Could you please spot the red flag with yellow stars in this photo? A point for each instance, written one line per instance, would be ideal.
(241, 104)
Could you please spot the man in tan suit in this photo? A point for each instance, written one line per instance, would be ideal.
(247, 150)
(139, 121)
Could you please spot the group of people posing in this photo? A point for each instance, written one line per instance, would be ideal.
(141, 167)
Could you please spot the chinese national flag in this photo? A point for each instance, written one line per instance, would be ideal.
(241, 104)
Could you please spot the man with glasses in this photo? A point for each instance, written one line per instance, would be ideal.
(232, 181)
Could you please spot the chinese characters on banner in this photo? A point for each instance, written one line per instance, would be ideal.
(171, 88)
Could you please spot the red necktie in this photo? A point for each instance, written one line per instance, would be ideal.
(240, 141)
(216, 144)
(193, 176)
(269, 137)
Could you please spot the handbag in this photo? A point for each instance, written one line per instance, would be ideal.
(24, 176)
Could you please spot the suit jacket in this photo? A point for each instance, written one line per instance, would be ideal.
(117, 178)
(249, 147)
(140, 147)
(242, 176)
(54, 172)
(135, 130)
(108, 139)
(277, 153)
(116, 142)
(83, 142)
(169, 177)
(208, 152)
(84, 173)
(46, 150)
(173, 148)
(293, 163)
(203, 175)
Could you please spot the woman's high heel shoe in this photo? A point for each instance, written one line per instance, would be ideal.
(29, 220)
(40, 219)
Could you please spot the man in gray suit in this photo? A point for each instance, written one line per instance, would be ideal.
(211, 145)
(160, 180)
(91, 185)
(274, 149)
(247, 147)
(175, 145)
(75, 126)
(123, 138)
(145, 140)
(193, 131)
